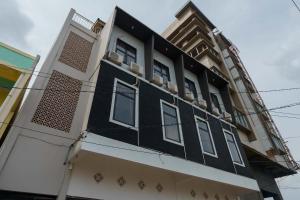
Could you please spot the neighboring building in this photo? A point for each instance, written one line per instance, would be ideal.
(126, 114)
(267, 153)
(16, 68)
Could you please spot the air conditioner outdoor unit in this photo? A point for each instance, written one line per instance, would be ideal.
(189, 95)
(201, 103)
(135, 68)
(158, 80)
(227, 116)
(172, 88)
(216, 111)
(115, 58)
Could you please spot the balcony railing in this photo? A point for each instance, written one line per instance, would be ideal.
(95, 27)
(86, 23)
(203, 49)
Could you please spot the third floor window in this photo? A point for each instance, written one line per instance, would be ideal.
(190, 86)
(162, 71)
(127, 51)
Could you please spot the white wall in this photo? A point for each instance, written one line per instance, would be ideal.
(167, 62)
(175, 186)
(191, 76)
(118, 33)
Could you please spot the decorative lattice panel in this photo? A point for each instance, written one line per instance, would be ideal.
(76, 52)
(59, 101)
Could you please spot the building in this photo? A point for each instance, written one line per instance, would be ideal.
(267, 153)
(16, 68)
(125, 114)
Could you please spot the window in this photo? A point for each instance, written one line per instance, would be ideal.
(190, 86)
(215, 101)
(124, 105)
(233, 148)
(240, 118)
(205, 137)
(127, 51)
(171, 123)
(162, 71)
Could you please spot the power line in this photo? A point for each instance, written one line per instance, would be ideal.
(199, 93)
(100, 144)
(296, 5)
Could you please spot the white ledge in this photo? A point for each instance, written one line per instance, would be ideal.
(109, 147)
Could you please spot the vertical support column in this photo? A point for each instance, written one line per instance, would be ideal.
(149, 48)
(226, 100)
(203, 82)
(179, 73)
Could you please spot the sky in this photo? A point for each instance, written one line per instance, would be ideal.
(266, 33)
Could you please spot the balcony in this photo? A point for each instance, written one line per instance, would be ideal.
(278, 143)
(186, 26)
(204, 49)
(192, 37)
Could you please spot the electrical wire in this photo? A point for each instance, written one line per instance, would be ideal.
(296, 5)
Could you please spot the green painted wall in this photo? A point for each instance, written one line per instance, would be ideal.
(14, 58)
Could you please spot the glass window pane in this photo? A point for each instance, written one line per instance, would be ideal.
(127, 51)
(170, 110)
(206, 142)
(233, 148)
(215, 101)
(125, 90)
(124, 107)
(162, 70)
(205, 137)
(190, 85)
(171, 126)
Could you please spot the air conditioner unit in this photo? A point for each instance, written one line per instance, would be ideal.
(189, 95)
(115, 58)
(172, 88)
(201, 103)
(216, 111)
(158, 80)
(135, 68)
(227, 116)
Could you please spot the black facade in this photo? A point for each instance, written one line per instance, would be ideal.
(149, 134)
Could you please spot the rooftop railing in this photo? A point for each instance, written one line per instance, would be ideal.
(86, 23)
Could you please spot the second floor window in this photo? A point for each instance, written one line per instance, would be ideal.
(162, 71)
(170, 123)
(190, 86)
(124, 105)
(206, 140)
(215, 102)
(233, 148)
(127, 51)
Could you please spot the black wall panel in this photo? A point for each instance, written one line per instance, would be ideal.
(224, 160)
(150, 134)
(190, 134)
(99, 116)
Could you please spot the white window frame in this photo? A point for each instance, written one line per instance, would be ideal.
(237, 147)
(181, 143)
(112, 108)
(212, 139)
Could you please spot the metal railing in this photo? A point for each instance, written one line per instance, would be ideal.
(290, 160)
(86, 23)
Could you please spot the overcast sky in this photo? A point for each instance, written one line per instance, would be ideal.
(266, 32)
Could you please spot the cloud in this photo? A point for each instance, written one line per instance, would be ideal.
(15, 26)
(288, 60)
